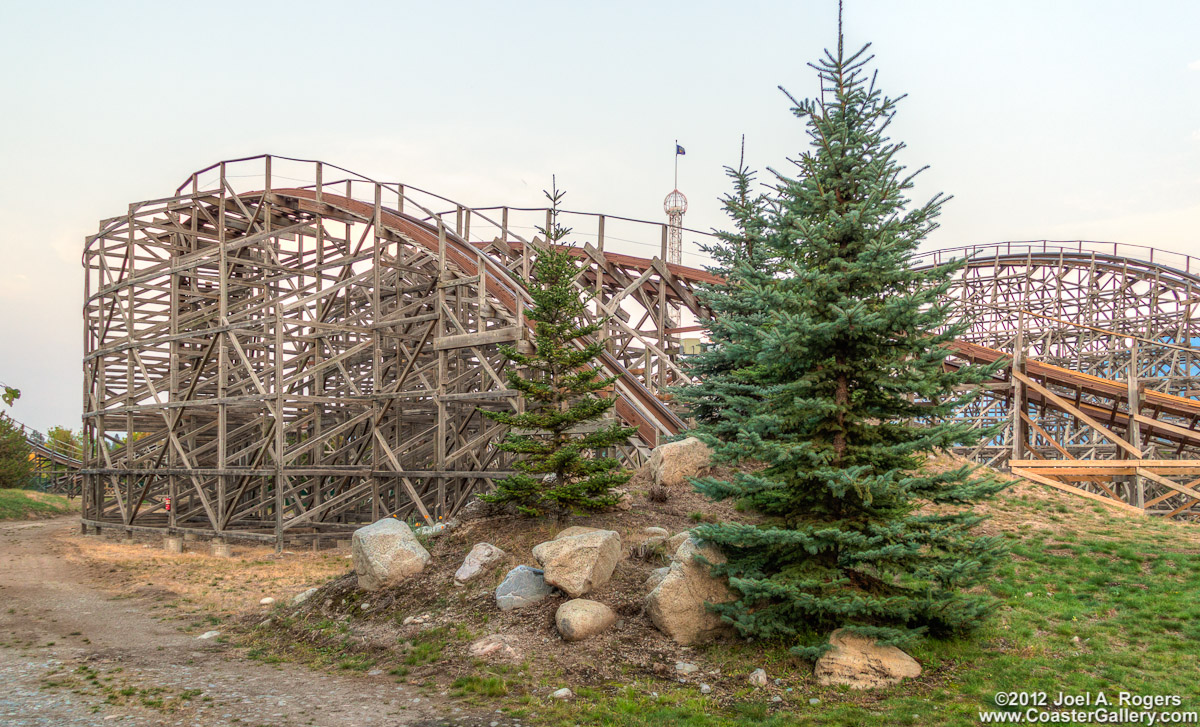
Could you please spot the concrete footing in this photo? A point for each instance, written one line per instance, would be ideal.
(222, 549)
(173, 544)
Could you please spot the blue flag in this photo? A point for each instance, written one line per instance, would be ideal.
(679, 150)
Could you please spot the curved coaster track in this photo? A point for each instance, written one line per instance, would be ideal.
(285, 350)
(56, 464)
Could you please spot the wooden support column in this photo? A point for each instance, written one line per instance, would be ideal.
(172, 397)
(376, 348)
(222, 357)
(443, 373)
(604, 327)
(1019, 402)
(1134, 429)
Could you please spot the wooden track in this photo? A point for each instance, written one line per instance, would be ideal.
(287, 362)
(57, 467)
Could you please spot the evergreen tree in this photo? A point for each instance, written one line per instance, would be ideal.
(561, 466)
(727, 370)
(852, 396)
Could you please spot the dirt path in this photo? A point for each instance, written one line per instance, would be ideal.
(73, 654)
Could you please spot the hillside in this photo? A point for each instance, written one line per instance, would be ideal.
(1090, 600)
(31, 505)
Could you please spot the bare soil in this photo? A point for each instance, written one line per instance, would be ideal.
(454, 616)
(93, 630)
(87, 640)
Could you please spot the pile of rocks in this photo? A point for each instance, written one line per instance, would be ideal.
(579, 561)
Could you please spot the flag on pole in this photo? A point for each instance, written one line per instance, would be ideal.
(679, 150)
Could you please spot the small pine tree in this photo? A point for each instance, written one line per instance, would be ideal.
(727, 370)
(559, 467)
(850, 398)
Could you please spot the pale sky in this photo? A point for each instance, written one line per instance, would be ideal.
(1044, 119)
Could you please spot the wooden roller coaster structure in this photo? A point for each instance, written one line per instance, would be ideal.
(285, 350)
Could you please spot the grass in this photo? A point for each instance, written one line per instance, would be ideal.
(1089, 601)
(482, 686)
(427, 647)
(204, 590)
(31, 504)
(86, 680)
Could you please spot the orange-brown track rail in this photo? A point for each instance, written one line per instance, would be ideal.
(285, 350)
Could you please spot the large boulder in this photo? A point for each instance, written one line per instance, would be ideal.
(677, 540)
(574, 530)
(676, 606)
(481, 558)
(656, 576)
(581, 619)
(579, 563)
(386, 553)
(523, 586)
(860, 663)
(672, 463)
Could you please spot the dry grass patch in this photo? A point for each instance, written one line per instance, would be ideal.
(225, 586)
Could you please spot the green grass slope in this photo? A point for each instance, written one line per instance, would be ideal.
(1090, 601)
(30, 504)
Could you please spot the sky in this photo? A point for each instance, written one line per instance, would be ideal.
(1044, 119)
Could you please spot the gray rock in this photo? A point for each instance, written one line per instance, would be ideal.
(653, 532)
(563, 693)
(481, 558)
(387, 553)
(303, 596)
(475, 509)
(208, 635)
(268, 601)
(758, 678)
(685, 668)
(705, 689)
(579, 563)
(581, 619)
(429, 531)
(523, 586)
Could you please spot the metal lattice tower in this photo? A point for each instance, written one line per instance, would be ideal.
(675, 205)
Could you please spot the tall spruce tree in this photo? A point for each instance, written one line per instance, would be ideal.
(728, 369)
(561, 466)
(852, 396)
